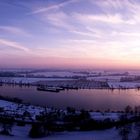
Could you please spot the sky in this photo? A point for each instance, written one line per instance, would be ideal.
(70, 34)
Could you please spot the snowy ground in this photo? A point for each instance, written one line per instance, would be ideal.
(118, 85)
(13, 108)
(106, 78)
(22, 134)
(28, 80)
(58, 73)
(112, 77)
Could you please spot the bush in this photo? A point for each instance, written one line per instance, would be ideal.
(37, 131)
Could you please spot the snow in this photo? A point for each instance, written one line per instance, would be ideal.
(106, 78)
(91, 135)
(12, 108)
(5, 103)
(22, 134)
(123, 84)
(92, 75)
(28, 80)
(134, 72)
(103, 116)
(58, 73)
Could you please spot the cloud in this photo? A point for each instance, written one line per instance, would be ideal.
(85, 33)
(87, 24)
(79, 41)
(52, 7)
(12, 44)
(128, 9)
(102, 18)
(13, 30)
(58, 19)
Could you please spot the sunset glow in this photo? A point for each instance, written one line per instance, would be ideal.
(70, 33)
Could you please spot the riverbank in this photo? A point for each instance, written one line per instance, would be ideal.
(88, 99)
(22, 134)
(55, 120)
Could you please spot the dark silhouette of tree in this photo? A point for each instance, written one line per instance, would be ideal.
(128, 109)
(37, 131)
(137, 129)
(124, 131)
(7, 125)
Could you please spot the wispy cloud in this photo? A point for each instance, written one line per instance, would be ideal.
(12, 44)
(85, 33)
(86, 41)
(85, 29)
(14, 30)
(58, 19)
(103, 18)
(52, 7)
(128, 9)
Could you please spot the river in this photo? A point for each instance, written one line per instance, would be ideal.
(89, 99)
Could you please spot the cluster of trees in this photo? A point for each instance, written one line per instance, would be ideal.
(7, 98)
(70, 120)
(7, 74)
(130, 79)
(6, 125)
(133, 111)
(82, 121)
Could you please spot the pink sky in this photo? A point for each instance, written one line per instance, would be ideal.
(70, 34)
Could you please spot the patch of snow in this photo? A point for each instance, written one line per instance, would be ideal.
(123, 84)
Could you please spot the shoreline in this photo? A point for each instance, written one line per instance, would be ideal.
(69, 88)
(64, 120)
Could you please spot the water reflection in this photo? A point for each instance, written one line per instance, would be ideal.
(92, 99)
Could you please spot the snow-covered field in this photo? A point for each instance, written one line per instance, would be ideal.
(21, 133)
(103, 116)
(112, 77)
(128, 85)
(28, 80)
(106, 78)
(12, 108)
(58, 73)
